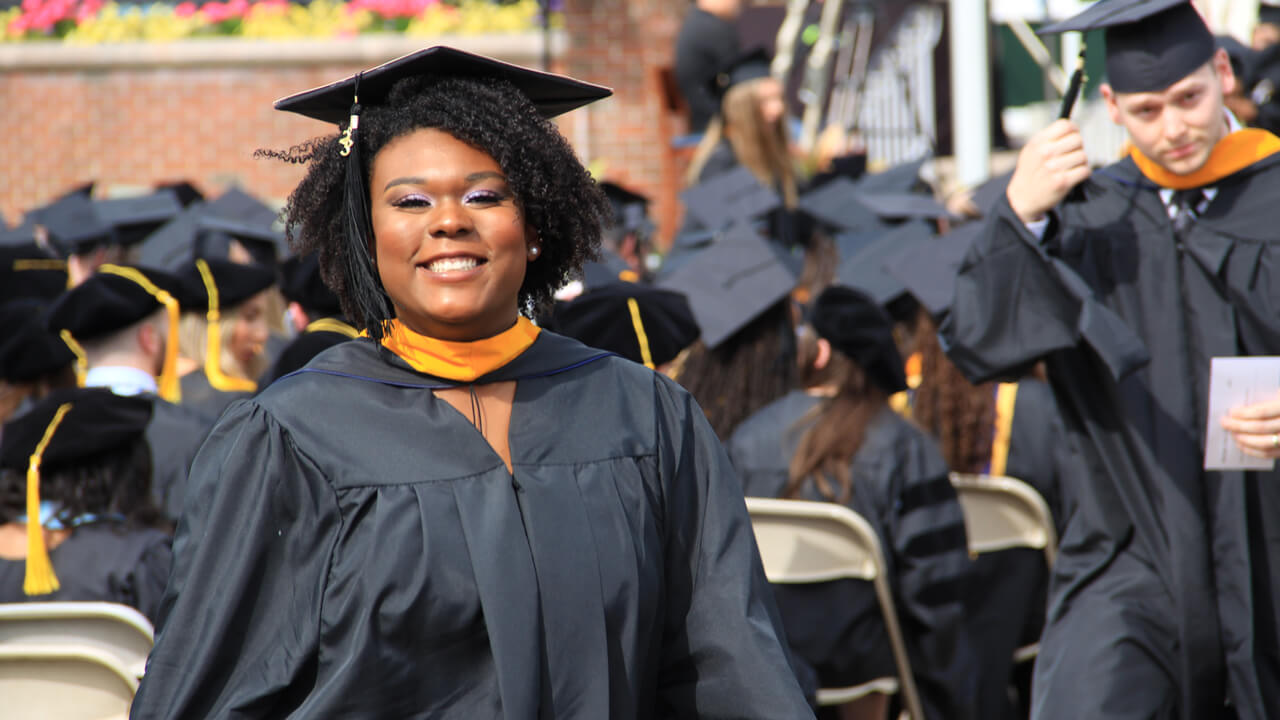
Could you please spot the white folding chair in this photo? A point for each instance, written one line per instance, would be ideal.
(1001, 513)
(117, 630)
(63, 682)
(812, 542)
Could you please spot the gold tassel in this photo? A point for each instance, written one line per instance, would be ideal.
(332, 325)
(82, 361)
(169, 387)
(213, 353)
(634, 307)
(1006, 399)
(40, 579)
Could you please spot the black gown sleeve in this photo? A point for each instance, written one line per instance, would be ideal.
(239, 624)
(1015, 302)
(723, 652)
(150, 575)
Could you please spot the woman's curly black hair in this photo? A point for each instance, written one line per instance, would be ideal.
(555, 194)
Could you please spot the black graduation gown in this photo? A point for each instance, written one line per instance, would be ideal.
(101, 562)
(1155, 549)
(199, 395)
(174, 435)
(308, 344)
(901, 487)
(353, 547)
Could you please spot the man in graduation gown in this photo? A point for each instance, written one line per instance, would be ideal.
(118, 316)
(1161, 603)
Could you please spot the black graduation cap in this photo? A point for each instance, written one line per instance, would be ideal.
(74, 225)
(899, 178)
(752, 64)
(684, 247)
(185, 192)
(214, 236)
(836, 204)
(609, 269)
(988, 194)
(134, 218)
(903, 205)
(28, 350)
(859, 328)
(731, 196)
(864, 270)
(26, 271)
(237, 205)
(1151, 44)
(928, 269)
(1269, 12)
(630, 208)
(552, 94)
(97, 422)
(300, 282)
(233, 282)
(642, 323)
(107, 302)
(732, 282)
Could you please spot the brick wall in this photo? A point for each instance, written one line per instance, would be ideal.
(128, 116)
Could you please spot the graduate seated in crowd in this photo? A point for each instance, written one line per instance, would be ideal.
(629, 233)
(33, 360)
(641, 323)
(76, 517)
(837, 440)
(1126, 281)
(87, 233)
(315, 313)
(226, 331)
(125, 322)
(461, 515)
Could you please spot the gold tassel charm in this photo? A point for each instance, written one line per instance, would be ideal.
(40, 578)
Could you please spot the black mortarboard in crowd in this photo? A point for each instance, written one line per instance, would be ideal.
(1151, 44)
(134, 218)
(74, 225)
(901, 178)
(186, 193)
(28, 349)
(733, 196)
(857, 327)
(752, 64)
(642, 323)
(300, 282)
(1269, 12)
(107, 302)
(732, 282)
(608, 269)
(928, 269)
(26, 271)
(216, 234)
(233, 283)
(903, 205)
(864, 269)
(988, 194)
(630, 208)
(238, 205)
(342, 102)
(198, 232)
(836, 205)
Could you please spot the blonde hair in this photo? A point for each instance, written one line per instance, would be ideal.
(760, 147)
(193, 344)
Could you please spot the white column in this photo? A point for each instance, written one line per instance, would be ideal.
(970, 91)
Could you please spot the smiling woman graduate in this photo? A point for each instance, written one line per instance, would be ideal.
(460, 516)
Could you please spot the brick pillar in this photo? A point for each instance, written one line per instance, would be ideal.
(623, 44)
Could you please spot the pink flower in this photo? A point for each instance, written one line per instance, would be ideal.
(184, 9)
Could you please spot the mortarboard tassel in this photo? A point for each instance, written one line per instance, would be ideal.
(641, 336)
(366, 291)
(82, 360)
(213, 353)
(40, 579)
(169, 387)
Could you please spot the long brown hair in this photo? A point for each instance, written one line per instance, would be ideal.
(960, 415)
(760, 147)
(836, 428)
(751, 369)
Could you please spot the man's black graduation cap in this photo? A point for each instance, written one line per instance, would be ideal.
(551, 94)
(751, 64)
(74, 225)
(106, 303)
(186, 193)
(859, 328)
(630, 208)
(642, 323)
(233, 282)
(237, 205)
(897, 179)
(864, 270)
(1151, 44)
(97, 421)
(300, 282)
(836, 205)
(195, 233)
(928, 269)
(26, 271)
(134, 218)
(729, 197)
(732, 282)
(28, 349)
